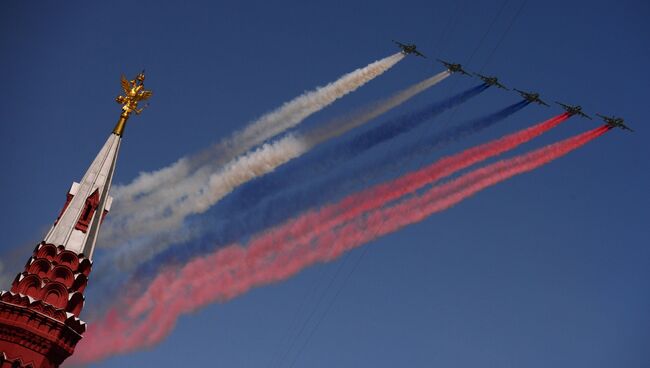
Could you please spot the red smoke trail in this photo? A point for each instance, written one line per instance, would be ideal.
(279, 254)
(383, 193)
(384, 221)
(310, 223)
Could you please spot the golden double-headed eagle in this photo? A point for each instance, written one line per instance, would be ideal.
(134, 92)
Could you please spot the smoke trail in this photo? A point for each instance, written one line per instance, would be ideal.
(339, 126)
(287, 200)
(283, 207)
(294, 112)
(405, 155)
(288, 203)
(282, 252)
(351, 148)
(165, 218)
(130, 197)
(442, 197)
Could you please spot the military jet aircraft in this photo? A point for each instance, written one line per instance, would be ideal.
(531, 97)
(615, 122)
(454, 68)
(491, 81)
(409, 49)
(574, 110)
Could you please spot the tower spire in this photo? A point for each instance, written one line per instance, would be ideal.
(39, 317)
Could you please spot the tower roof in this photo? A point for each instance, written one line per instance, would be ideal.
(88, 201)
(76, 228)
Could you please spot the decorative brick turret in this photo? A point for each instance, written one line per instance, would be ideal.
(39, 317)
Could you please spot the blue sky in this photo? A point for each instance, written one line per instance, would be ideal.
(547, 269)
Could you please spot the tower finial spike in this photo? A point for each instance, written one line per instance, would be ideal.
(134, 92)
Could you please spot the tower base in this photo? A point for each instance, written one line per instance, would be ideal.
(29, 337)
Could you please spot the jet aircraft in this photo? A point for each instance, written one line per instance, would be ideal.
(531, 97)
(615, 122)
(492, 81)
(409, 49)
(454, 68)
(573, 110)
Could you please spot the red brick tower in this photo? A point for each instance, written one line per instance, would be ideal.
(39, 317)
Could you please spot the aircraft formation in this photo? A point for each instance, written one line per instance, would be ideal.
(532, 97)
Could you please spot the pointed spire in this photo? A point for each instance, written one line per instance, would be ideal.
(88, 201)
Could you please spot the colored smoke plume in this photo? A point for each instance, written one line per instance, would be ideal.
(353, 147)
(164, 221)
(243, 219)
(163, 188)
(282, 252)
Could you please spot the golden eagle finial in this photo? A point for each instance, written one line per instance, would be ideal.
(134, 92)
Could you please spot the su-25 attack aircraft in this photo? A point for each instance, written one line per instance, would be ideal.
(532, 97)
(491, 81)
(454, 68)
(409, 49)
(615, 122)
(574, 110)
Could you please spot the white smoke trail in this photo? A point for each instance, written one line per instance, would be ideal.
(297, 110)
(204, 190)
(196, 195)
(337, 127)
(149, 181)
(166, 187)
(270, 124)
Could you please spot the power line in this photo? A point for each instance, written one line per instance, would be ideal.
(503, 36)
(313, 312)
(452, 88)
(450, 21)
(494, 20)
(329, 306)
(512, 21)
(451, 24)
(443, 36)
(293, 325)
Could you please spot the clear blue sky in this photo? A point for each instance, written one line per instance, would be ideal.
(547, 269)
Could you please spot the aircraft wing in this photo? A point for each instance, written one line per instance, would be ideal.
(418, 53)
(544, 103)
(502, 86)
(585, 115)
(483, 78)
(399, 43)
(625, 127)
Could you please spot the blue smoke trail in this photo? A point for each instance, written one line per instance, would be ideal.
(284, 205)
(400, 159)
(261, 188)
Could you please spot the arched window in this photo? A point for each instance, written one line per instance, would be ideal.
(89, 209)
